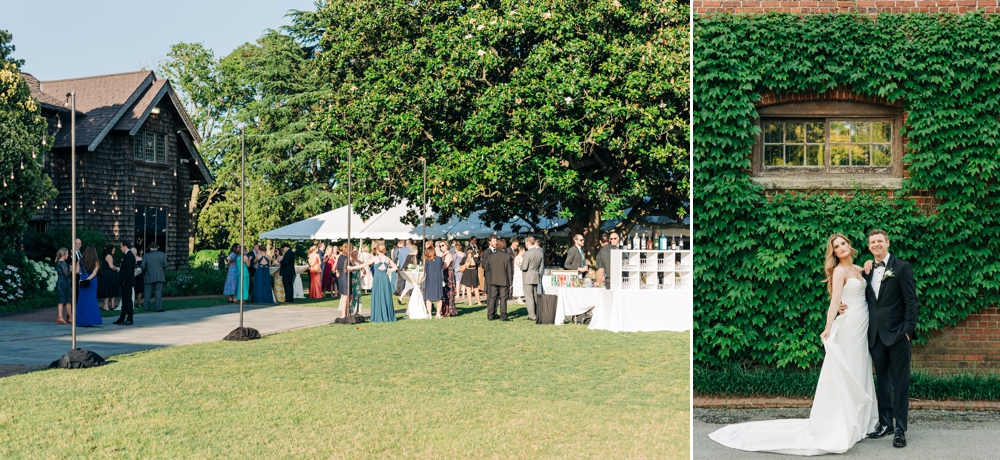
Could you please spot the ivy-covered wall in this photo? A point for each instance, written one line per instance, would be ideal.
(759, 295)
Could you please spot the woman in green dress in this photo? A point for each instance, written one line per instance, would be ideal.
(355, 307)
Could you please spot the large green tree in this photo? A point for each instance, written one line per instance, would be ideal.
(23, 142)
(534, 110)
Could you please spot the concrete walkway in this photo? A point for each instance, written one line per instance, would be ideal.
(27, 345)
(770, 403)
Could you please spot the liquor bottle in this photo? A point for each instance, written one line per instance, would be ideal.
(635, 241)
(649, 243)
(663, 241)
(627, 243)
(673, 242)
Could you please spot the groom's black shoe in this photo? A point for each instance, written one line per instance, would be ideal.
(880, 431)
(899, 440)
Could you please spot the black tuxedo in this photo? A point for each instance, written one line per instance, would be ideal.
(287, 272)
(498, 268)
(126, 278)
(892, 314)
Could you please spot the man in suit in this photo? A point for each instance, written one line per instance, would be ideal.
(287, 271)
(154, 267)
(891, 294)
(603, 263)
(498, 267)
(575, 257)
(126, 278)
(531, 265)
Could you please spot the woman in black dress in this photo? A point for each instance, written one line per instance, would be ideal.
(470, 275)
(107, 278)
(433, 279)
(140, 284)
(64, 287)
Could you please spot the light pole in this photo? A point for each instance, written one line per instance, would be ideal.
(72, 197)
(350, 203)
(243, 202)
(423, 209)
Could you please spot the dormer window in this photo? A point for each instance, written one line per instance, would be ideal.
(150, 147)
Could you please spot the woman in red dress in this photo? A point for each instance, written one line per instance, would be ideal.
(328, 269)
(315, 274)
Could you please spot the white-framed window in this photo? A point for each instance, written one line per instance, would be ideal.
(149, 146)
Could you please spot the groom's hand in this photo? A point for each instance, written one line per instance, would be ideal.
(843, 308)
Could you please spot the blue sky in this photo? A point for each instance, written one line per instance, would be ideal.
(60, 39)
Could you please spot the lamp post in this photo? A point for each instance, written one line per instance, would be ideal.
(243, 182)
(72, 197)
(423, 209)
(349, 206)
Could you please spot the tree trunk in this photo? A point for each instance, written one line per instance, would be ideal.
(192, 206)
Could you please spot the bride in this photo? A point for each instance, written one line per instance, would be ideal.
(844, 407)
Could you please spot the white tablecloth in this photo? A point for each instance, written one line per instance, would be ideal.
(297, 291)
(645, 311)
(415, 309)
(576, 301)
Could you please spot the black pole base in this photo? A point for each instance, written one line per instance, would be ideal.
(243, 334)
(78, 358)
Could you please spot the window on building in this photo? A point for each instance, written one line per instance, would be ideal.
(38, 226)
(150, 146)
(829, 145)
(150, 227)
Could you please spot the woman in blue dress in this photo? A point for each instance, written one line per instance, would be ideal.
(382, 309)
(233, 276)
(87, 312)
(262, 281)
(242, 262)
(433, 279)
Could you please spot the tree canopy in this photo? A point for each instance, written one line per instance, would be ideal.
(571, 109)
(23, 142)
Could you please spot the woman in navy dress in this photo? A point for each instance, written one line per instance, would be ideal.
(448, 277)
(433, 279)
(87, 311)
(262, 281)
(107, 277)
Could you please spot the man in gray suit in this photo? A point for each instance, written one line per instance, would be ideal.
(531, 264)
(154, 265)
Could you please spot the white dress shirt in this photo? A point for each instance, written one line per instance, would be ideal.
(878, 275)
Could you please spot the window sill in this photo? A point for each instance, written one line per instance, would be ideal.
(829, 183)
(153, 164)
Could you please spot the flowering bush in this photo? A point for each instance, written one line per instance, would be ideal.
(47, 273)
(11, 285)
(21, 280)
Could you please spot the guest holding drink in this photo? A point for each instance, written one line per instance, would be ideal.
(87, 312)
(64, 286)
(470, 275)
(233, 276)
(315, 274)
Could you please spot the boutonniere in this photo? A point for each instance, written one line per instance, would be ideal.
(888, 273)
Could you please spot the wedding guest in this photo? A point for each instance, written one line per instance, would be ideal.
(456, 250)
(499, 275)
(126, 276)
(232, 278)
(355, 275)
(328, 262)
(609, 242)
(381, 301)
(517, 286)
(287, 271)
(107, 278)
(87, 312)
(576, 259)
(470, 276)
(140, 284)
(433, 279)
(321, 249)
(315, 273)
(335, 280)
(154, 264)
(221, 262)
(447, 259)
(344, 280)
(531, 265)
(250, 257)
(402, 252)
(366, 275)
(263, 282)
(64, 286)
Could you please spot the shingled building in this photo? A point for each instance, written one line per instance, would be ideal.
(137, 159)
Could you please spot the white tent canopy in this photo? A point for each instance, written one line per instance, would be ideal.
(386, 225)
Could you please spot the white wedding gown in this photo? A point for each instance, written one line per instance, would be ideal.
(844, 407)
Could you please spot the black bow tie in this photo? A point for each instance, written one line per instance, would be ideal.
(879, 264)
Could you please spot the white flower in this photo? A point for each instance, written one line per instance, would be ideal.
(615, 3)
(480, 52)
(472, 21)
(493, 22)
(468, 36)
(547, 15)
(568, 99)
(480, 27)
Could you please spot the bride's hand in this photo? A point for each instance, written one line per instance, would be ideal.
(868, 267)
(825, 335)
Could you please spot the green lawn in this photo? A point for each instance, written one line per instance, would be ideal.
(182, 303)
(455, 388)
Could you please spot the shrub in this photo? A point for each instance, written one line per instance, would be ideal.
(194, 281)
(41, 246)
(205, 258)
(22, 280)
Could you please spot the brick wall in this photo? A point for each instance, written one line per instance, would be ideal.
(972, 346)
(865, 6)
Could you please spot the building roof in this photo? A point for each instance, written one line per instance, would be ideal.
(105, 103)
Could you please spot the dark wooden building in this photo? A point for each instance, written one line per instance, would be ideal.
(137, 160)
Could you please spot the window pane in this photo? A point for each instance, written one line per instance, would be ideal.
(772, 155)
(794, 154)
(859, 155)
(840, 154)
(137, 146)
(772, 132)
(150, 146)
(881, 131)
(881, 155)
(795, 133)
(161, 148)
(814, 155)
(840, 131)
(861, 132)
(815, 133)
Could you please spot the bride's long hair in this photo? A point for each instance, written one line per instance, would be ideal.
(832, 260)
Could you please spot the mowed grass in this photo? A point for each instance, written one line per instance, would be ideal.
(461, 387)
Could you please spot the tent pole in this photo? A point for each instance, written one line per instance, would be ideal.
(243, 181)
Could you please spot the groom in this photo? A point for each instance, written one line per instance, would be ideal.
(892, 320)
